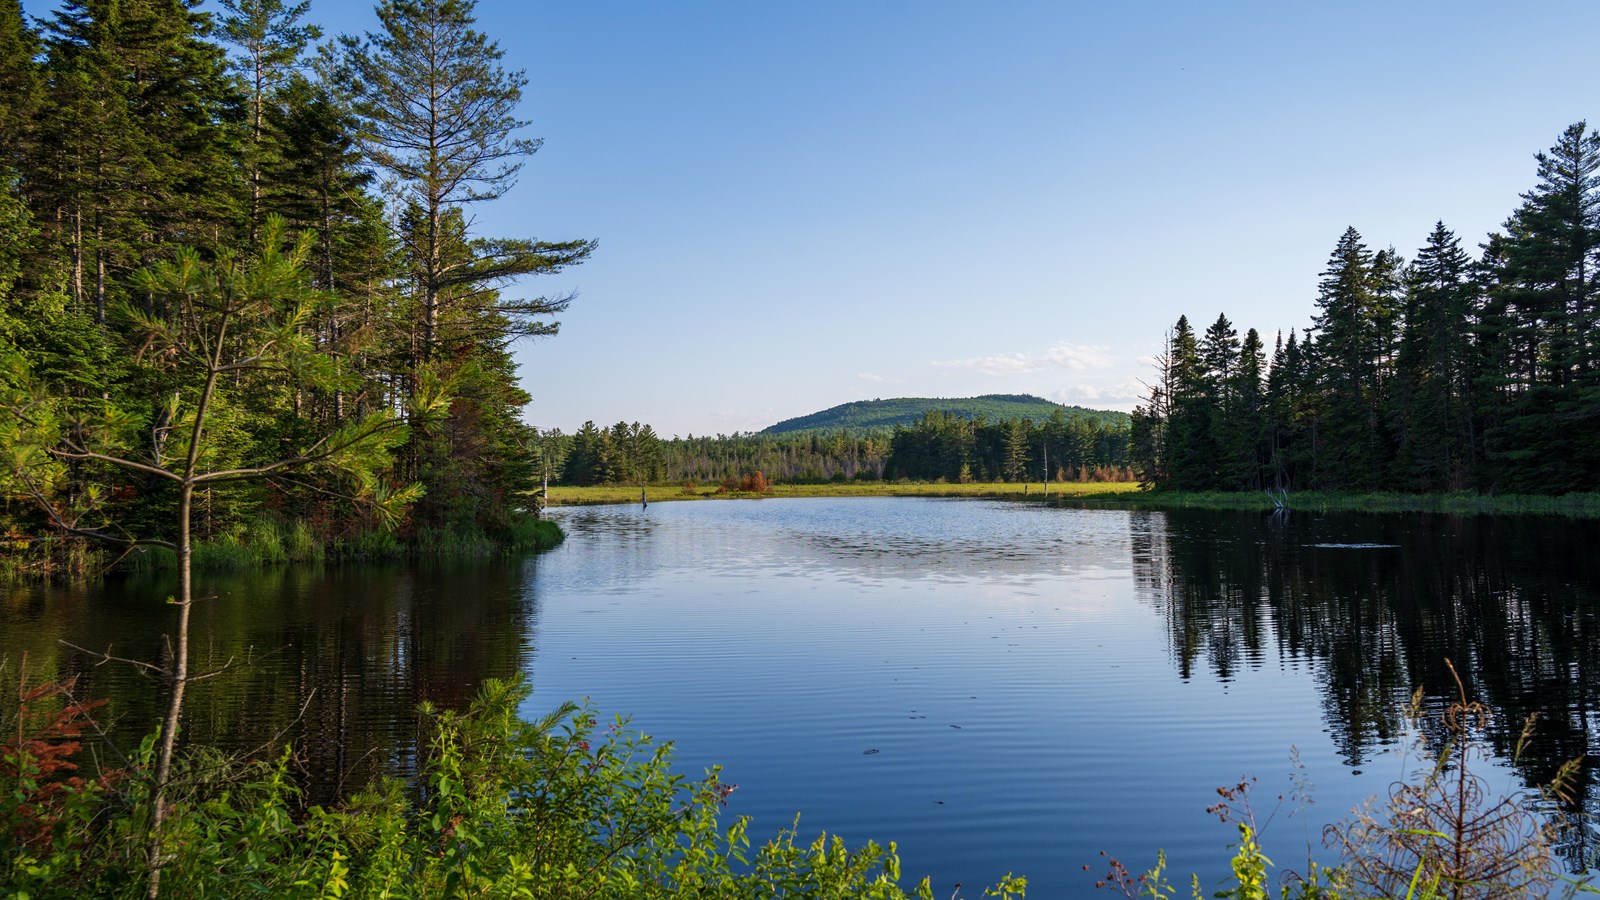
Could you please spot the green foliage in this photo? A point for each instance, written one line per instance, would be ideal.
(140, 162)
(558, 808)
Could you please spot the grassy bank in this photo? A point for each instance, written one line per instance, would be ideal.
(600, 494)
(1582, 506)
(1121, 495)
(258, 543)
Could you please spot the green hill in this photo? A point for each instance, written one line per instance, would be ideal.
(867, 415)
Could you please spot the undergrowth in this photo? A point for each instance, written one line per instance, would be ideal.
(558, 808)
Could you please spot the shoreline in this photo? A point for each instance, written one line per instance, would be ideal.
(1118, 495)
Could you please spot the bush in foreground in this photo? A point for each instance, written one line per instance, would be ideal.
(558, 808)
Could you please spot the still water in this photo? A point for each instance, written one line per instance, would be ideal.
(996, 687)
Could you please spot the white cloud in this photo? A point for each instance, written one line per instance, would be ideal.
(868, 376)
(1123, 396)
(1062, 355)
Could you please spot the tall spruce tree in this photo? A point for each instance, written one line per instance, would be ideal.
(1190, 445)
(1242, 427)
(1349, 353)
(271, 39)
(1432, 418)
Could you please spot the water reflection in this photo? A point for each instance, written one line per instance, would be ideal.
(1023, 672)
(334, 661)
(1378, 603)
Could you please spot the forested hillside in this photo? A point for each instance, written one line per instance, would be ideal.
(225, 250)
(1443, 373)
(882, 415)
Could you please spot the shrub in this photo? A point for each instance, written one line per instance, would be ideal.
(558, 808)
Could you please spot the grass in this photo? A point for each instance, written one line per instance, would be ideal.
(1579, 506)
(261, 543)
(601, 494)
(1122, 495)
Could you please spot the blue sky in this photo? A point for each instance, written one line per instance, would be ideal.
(803, 204)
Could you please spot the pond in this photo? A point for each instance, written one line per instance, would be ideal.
(995, 686)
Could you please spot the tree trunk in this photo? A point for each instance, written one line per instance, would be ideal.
(179, 675)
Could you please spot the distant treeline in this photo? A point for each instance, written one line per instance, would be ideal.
(1445, 373)
(939, 446)
(1062, 448)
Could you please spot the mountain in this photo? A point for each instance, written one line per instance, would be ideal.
(864, 415)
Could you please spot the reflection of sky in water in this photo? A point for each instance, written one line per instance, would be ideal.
(997, 656)
(927, 539)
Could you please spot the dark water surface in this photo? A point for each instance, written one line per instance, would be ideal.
(997, 687)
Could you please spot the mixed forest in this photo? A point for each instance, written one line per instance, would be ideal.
(1447, 372)
(238, 276)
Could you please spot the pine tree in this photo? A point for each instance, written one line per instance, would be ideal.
(138, 155)
(1017, 439)
(438, 115)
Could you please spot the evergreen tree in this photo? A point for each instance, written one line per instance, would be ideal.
(583, 463)
(21, 89)
(1290, 412)
(1219, 353)
(139, 155)
(1190, 445)
(1433, 419)
(271, 39)
(1017, 440)
(1349, 353)
(1546, 298)
(1242, 428)
(438, 115)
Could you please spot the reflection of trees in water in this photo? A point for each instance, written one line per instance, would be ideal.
(1514, 602)
(340, 658)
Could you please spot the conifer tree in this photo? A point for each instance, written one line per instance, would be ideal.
(21, 89)
(1190, 444)
(438, 115)
(1547, 298)
(1243, 424)
(1433, 420)
(271, 39)
(1348, 354)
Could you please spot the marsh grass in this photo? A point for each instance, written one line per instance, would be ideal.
(266, 543)
(612, 494)
(1578, 506)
